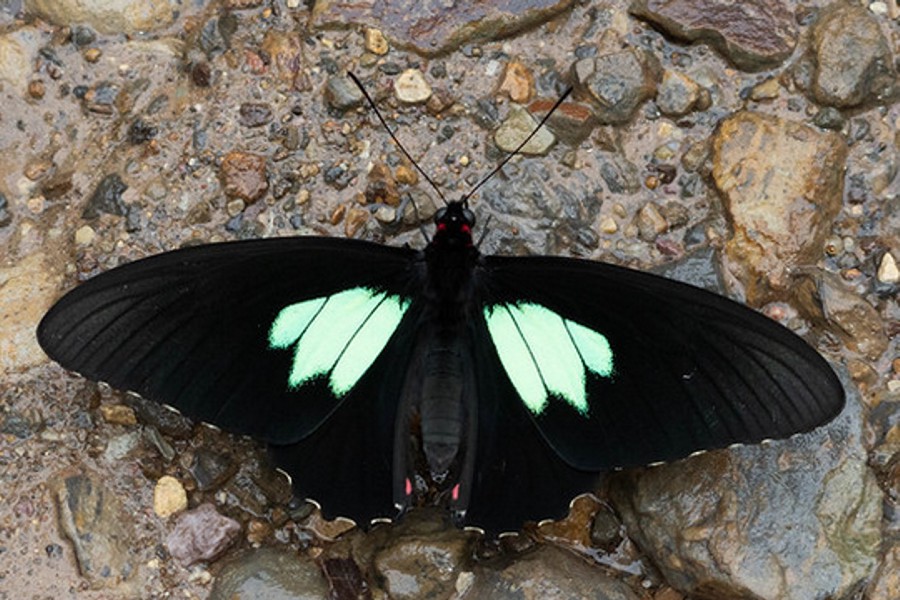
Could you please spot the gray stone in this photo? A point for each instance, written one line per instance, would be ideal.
(852, 58)
(791, 519)
(93, 521)
(616, 84)
(270, 574)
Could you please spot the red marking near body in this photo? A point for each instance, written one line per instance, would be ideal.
(455, 492)
(441, 226)
(465, 229)
(408, 487)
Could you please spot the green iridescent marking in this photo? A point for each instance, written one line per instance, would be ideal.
(339, 335)
(544, 354)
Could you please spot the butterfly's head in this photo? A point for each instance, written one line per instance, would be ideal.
(454, 224)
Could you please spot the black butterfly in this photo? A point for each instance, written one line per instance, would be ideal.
(501, 385)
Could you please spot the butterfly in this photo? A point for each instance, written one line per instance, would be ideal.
(385, 377)
(501, 384)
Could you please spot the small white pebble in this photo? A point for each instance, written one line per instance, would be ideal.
(84, 236)
(887, 270)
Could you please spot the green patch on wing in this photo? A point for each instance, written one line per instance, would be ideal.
(337, 336)
(544, 354)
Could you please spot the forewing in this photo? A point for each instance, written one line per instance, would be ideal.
(620, 368)
(234, 334)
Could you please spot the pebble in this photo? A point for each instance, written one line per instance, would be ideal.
(677, 94)
(411, 87)
(887, 270)
(118, 414)
(356, 218)
(201, 534)
(519, 125)
(376, 43)
(244, 176)
(92, 55)
(517, 83)
(650, 222)
(169, 497)
(341, 93)
(36, 89)
(608, 225)
(85, 235)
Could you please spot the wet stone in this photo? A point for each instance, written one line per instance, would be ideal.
(518, 126)
(677, 95)
(650, 222)
(857, 322)
(271, 574)
(5, 214)
(616, 84)
(158, 416)
(140, 131)
(381, 187)
(438, 28)
(169, 497)
(423, 557)
(768, 204)
(83, 36)
(572, 122)
(341, 93)
(887, 269)
(621, 175)
(753, 34)
(255, 114)
(107, 198)
(118, 414)
(244, 175)
(411, 88)
(201, 534)
(111, 17)
(517, 82)
(829, 118)
(93, 521)
(101, 98)
(544, 573)
(376, 43)
(356, 218)
(606, 529)
(211, 469)
(815, 506)
(852, 58)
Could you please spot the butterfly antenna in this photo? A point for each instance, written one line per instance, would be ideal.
(509, 156)
(484, 231)
(394, 137)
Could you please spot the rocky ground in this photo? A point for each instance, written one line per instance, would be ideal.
(748, 147)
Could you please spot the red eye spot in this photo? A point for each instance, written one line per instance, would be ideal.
(466, 229)
(408, 489)
(455, 492)
(441, 226)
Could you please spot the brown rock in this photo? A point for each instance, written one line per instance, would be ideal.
(781, 216)
(381, 187)
(356, 218)
(572, 122)
(858, 321)
(244, 176)
(118, 414)
(437, 28)
(753, 34)
(517, 82)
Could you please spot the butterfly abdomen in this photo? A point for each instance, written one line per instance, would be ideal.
(442, 409)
